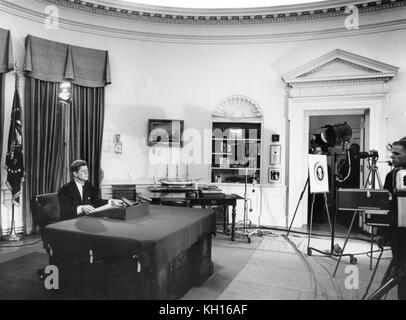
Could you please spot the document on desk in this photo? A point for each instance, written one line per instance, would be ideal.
(103, 208)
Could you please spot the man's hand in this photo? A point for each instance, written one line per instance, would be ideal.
(87, 209)
(116, 203)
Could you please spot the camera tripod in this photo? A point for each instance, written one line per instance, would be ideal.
(390, 280)
(369, 184)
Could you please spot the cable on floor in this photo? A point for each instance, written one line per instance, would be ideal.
(315, 234)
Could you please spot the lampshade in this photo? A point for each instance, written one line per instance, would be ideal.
(336, 134)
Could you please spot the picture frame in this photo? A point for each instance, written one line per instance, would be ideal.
(275, 154)
(165, 133)
(274, 175)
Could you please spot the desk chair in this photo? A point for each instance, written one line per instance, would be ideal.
(45, 210)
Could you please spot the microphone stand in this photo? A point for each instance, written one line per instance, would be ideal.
(246, 233)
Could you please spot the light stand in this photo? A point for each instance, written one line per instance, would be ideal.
(247, 233)
(297, 206)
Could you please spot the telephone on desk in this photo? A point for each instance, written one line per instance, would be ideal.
(129, 203)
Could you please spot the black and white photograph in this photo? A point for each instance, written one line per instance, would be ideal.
(193, 151)
(274, 175)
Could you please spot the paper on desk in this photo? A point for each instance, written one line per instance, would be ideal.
(103, 208)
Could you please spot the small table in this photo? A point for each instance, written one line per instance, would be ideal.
(195, 199)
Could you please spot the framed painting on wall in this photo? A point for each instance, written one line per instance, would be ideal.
(165, 132)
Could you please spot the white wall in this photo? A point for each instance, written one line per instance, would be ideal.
(175, 80)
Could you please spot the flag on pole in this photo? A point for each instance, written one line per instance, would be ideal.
(14, 157)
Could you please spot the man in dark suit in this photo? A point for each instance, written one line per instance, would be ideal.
(79, 197)
(394, 234)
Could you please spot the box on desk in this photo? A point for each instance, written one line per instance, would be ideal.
(125, 213)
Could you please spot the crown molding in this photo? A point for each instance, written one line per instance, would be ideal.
(160, 14)
(11, 7)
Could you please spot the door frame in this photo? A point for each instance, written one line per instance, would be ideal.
(299, 112)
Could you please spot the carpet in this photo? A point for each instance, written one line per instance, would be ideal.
(19, 280)
(229, 258)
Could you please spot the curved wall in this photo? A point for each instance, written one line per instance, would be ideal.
(183, 71)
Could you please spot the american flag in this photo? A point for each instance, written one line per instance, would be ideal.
(14, 157)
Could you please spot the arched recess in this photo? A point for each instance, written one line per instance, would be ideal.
(242, 112)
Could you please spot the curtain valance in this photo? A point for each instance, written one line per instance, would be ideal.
(6, 51)
(57, 62)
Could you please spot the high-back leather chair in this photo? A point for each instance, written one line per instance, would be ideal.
(45, 209)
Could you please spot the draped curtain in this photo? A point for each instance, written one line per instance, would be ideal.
(51, 127)
(2, 78)
(86, 123)
(6, 65)
(44, 143)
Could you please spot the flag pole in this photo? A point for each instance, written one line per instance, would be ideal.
(13, 236)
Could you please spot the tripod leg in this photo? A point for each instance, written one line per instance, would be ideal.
(372, 247)
(367, 180)
(311, 225)
(297, 206)
(388, 272)
(373, 275)
(328, 213)
(345, 243)
(379, 179)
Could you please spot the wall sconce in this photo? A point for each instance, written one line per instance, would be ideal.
(118, 144)
(65, 92)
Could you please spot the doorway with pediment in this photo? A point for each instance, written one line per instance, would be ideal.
(335, 86)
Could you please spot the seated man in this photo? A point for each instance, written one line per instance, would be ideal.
(79, 197)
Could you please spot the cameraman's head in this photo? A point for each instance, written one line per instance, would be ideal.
(399, 154)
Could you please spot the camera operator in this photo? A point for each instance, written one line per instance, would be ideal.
(395, 235)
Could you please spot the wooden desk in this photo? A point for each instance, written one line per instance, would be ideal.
(157, 256)
(194, 199)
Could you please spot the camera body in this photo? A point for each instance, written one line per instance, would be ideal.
(368, 154)
(400, 189)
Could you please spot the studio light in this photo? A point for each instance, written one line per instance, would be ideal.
(65, 92)
(336, 134)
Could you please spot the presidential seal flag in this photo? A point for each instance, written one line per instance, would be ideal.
(14, 157)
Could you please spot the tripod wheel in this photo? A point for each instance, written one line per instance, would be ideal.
(260, 233)
(309, 252)
(353, 260)
(249, 240)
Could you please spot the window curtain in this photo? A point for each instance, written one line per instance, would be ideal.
(47, 64)
(2, 88)
(6, 65)
(86, 127)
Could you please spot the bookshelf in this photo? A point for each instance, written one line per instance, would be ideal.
(236, 151)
